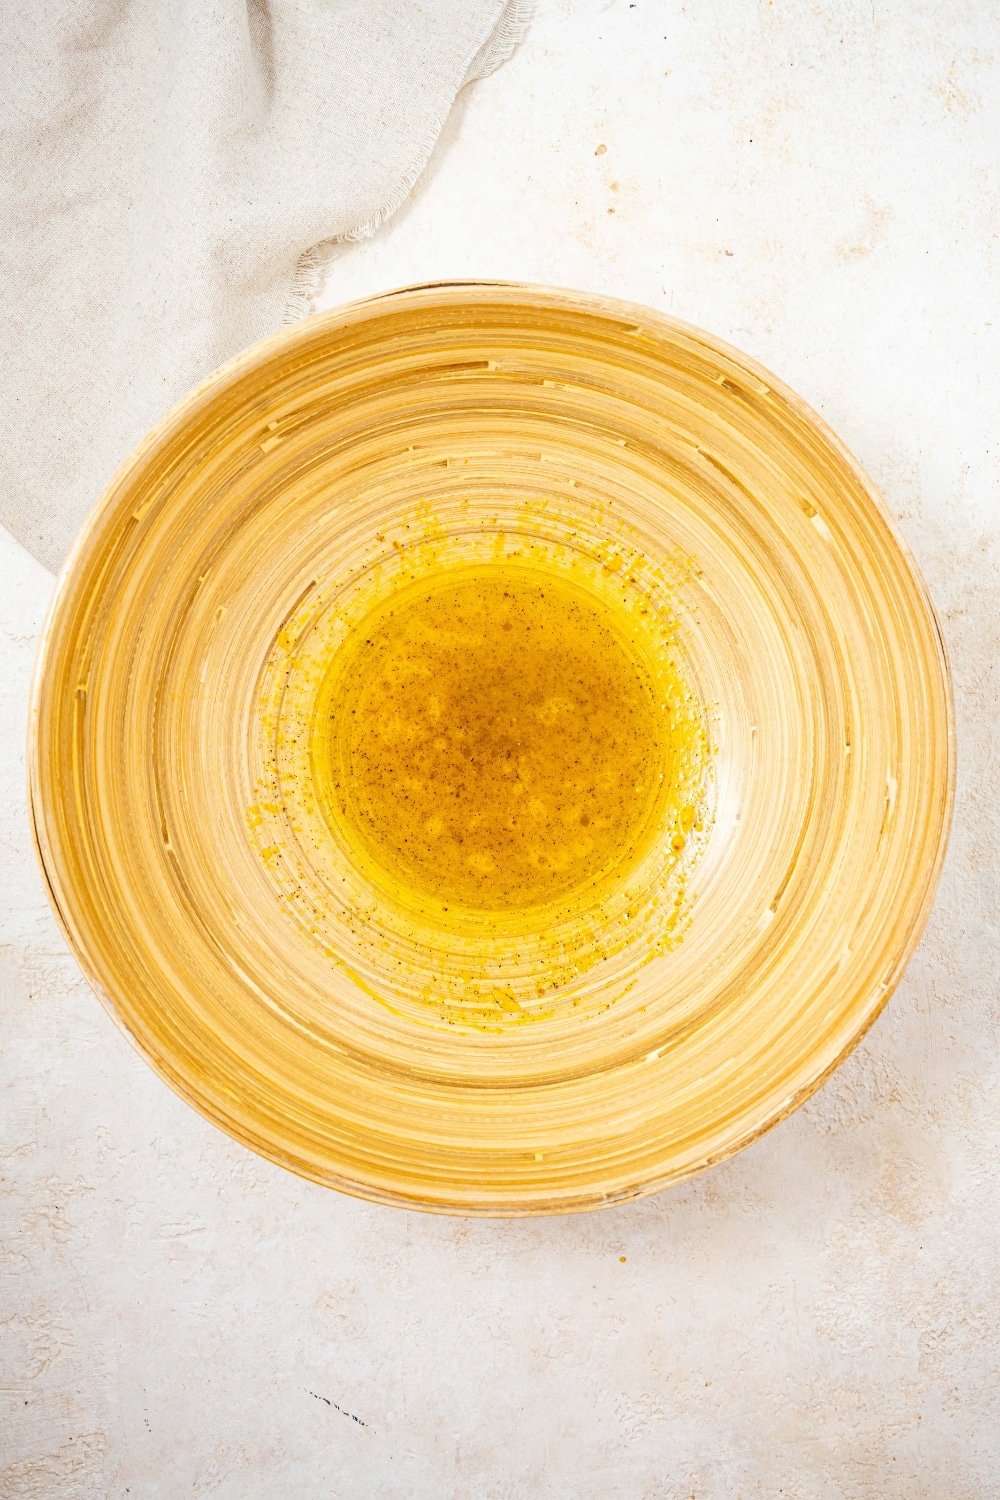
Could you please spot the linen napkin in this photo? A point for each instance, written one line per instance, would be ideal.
(168, 169)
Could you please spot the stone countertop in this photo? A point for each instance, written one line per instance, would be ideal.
(818, 1317)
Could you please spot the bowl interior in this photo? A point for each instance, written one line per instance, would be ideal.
(614, 1039)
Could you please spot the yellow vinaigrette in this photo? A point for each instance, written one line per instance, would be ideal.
(486, 774)
(496, 738)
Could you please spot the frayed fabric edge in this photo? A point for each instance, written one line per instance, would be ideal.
(502, 41)
(306, 282)
(313, 264)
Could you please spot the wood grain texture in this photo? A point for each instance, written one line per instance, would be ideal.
(183, 647)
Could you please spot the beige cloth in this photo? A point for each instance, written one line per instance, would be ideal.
(168, 166)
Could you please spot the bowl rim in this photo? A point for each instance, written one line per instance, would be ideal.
(260, 353)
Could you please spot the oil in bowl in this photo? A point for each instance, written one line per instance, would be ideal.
(496, 741)
(487, 771)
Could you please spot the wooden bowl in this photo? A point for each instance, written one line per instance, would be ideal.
(507, 1062)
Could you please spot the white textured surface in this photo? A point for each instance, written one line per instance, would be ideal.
(817, 1318)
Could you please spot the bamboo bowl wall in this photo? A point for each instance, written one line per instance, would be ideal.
(261, 978)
